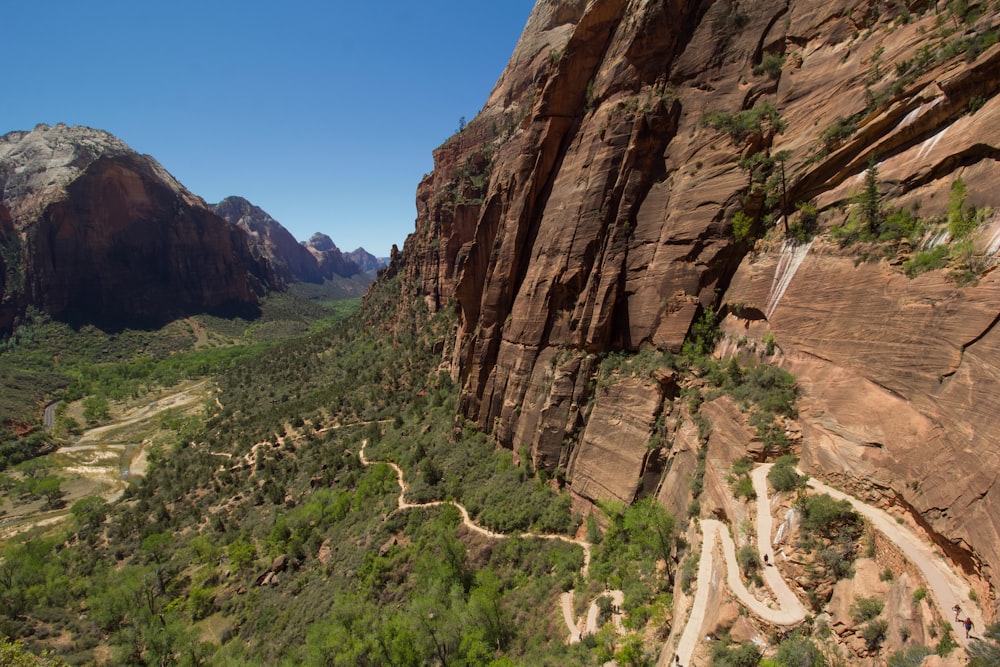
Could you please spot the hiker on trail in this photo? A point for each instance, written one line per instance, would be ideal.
(766, 562)
(957, 610)
(968, 626)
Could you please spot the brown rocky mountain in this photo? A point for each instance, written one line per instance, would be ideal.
(94, 232)
(594, 206)
(311, 262)
(290, 260)
(366, 261)
(330, 259)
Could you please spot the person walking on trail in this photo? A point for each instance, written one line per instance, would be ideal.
(968, 626)
(957, 610)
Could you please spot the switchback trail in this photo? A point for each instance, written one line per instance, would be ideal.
(576, 628)
(946, 587)
(789, 610)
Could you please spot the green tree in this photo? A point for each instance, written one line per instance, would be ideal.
(799, 651)
(961, 221)
(13, 654)
(242, 554)
(869, 199)
(50, 488)
(90, 512)
(95, 409)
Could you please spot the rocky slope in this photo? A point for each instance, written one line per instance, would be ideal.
(590, 208)
(314, 261)
(366, 261)
(94, 232)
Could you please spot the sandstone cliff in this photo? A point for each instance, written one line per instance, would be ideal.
(98, 233)
(590, 208)
(311, 262)
(329, 258)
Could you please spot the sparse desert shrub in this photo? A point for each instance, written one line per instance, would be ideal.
(874, 633)
(865, 609)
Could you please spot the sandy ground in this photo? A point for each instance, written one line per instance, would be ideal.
(100, 462)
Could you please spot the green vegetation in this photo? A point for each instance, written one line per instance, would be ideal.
(873, 632)
(44, 360)
(770, 64)
(947, 643)
(799, 651)
(871, 223)
(762, 119)
(986, 652)
(865, 609)
(830, 532)
(767, 392)
(784, 477)
(911, 656)
(636, 556)
(726, 654)
(173, 573)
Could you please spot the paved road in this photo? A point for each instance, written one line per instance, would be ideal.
(788, 610)
(50, 414)
(947, 589)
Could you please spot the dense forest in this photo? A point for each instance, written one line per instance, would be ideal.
(258, 536)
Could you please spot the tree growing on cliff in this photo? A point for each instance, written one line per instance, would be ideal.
(869, 201)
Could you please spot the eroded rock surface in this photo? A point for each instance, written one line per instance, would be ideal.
(588, 209)
(103, 234)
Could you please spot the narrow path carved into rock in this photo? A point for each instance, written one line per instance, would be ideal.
(577, 627)
(947, 588)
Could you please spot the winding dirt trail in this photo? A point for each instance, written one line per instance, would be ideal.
(577, 628)
(947, 588)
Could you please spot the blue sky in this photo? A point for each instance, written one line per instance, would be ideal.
(324, 114)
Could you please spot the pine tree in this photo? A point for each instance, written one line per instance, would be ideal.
(871, 210)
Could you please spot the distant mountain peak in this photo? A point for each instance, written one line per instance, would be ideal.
(317, 260)
(322, 242)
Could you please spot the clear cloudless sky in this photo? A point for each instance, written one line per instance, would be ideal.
(324, 114)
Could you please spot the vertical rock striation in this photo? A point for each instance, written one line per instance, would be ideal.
(103, 234)
(589, 208)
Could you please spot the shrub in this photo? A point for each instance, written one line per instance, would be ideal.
(770, 65)
(743, 655)
(986, 653)
(799, 651)
(911, 656)
(947, 643)
(841, 129)
(865, 609)
(874, 633)
(927, 260)
(823, 514)
(748, 559)
(783, 476)
(919, 594)
(803, 227)
(740, 125)
(744, 488)
(742, 227)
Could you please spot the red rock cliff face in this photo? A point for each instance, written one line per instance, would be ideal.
(589, 208)
(106, 235)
